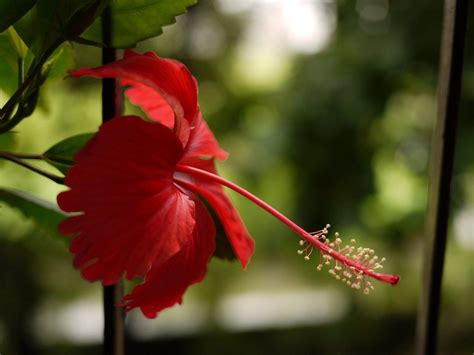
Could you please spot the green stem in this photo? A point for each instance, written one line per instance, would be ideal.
(33, 72)
(22, 156)
(7, 123)
(15, 159)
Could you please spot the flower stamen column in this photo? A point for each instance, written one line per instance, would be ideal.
(355, 263)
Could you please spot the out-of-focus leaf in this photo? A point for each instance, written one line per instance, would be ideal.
(61, 154)
(136, 20)
(19, 46)
(11, 11)
(8, 66)
(8, 141)
(44, 214)
(60, 62)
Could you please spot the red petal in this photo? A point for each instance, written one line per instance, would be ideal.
(202, 142)
(166, 283)
(151, 102)
(170, 81)
(133, 214)
(242, 243)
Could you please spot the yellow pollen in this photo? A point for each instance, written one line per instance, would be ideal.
(352, 276)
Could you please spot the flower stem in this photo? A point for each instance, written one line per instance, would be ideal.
(313, 240)
(34, 71)
(22, 156)
(16, 158)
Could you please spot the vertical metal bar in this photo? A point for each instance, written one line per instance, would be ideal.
(442, 159)
(112, 295)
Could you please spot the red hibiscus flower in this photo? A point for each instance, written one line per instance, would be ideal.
(139, 186)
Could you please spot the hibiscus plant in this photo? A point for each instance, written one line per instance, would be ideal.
(142, 191)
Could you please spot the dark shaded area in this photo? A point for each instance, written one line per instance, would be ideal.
(19, 296)
(349, 339)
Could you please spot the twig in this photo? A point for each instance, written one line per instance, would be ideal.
(15, 159)
(444, 141)
(113, 316)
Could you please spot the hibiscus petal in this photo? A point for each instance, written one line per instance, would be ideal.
(202, 142)
(132, 213)
(152, 78)
(151, 102)
(242, 243)
(166, 282)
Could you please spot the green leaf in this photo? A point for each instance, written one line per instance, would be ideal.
(60, 62)
(61, 154)
(136, 20)
(57, 66)
(8, 141)
(44, 214)
(12, 11)
(51, 22)
(8, 66)
(20, 47)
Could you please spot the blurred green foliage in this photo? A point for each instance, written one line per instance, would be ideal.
(341, 136)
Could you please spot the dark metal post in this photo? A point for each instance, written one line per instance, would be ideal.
(442, 159)
(111, 107)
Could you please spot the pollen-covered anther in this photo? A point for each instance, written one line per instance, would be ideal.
(353, 271)
(378, 266)
(321, 234)
(306, 251)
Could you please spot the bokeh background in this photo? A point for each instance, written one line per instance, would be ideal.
(327, 109)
